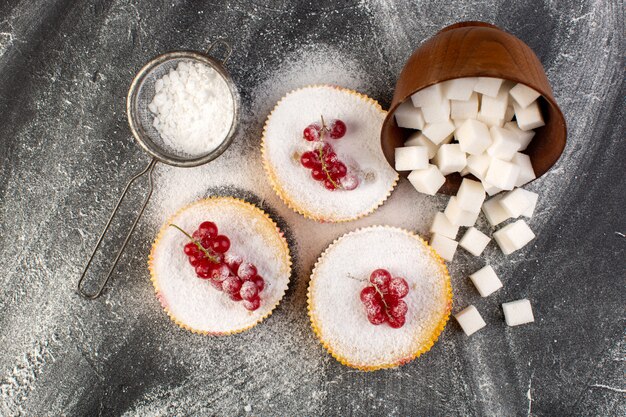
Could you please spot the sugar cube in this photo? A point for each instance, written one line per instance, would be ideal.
(425, 96)
(510, 113)
(494, 107)
(513, 236)
(473, 136)
(523, 136)
(502, 174)
(436, 112)
(486, 281)
(491, 189)
(458, 122)
(523, 95)
(477, 165)
(488, 86)
(418, 139)
(444, 246)
(529, 117)
(409, 117)
(518, 312)
(474, 241)
(533, 197)
(409, 158)
(457, 215)
(441, 225)
(465, 109)
(494, 212)
(438, 132)
(471, 195)
(516, 202)
(504, 143)
(459, 88)
(526, 171)
(470, 320)
(450, 158)
(490, 121)
(427, 181)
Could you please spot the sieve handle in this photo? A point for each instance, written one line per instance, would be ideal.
(229, 49)
(92, 296)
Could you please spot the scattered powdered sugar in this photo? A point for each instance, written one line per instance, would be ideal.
(359, 149)
(193, 300)
(336, 287)
(193, 108)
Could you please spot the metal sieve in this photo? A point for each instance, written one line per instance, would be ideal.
(140, 119)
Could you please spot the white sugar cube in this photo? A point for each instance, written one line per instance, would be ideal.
(418, 139)
(513, 236)
(410, 158)
(502, 174)
(471, 195)
(457, 215)
(470, 320)
(409, 117)
(516, 202)
(486, 281)
(436, 112)
(458, 122)
(523, 95)
(510, 113)
(425, 96)
(473, 136)
(441, 225)
(533, 197)
(518, 312)
(523, 136)
(427, 181)
(474, 241)
(504, 143)
(494, 107)
(477, 165)
(491, 189)
(444, 246)
(466, 109)
(450, 158)
(529, 117)
(459, 88)
(488, 86)
(490, 121)
(439, 132)
(494, 212)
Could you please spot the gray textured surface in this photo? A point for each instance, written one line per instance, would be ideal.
(66, 153)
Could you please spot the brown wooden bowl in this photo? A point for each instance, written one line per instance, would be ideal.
(478, 49)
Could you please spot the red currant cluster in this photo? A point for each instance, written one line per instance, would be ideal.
(383, 299)
(226, 272)
(323, 162)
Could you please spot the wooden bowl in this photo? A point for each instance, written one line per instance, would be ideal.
(478, 49)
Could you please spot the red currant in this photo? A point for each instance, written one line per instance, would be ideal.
(398, 287)
(235, 297)
(231, 285)
(220, 244)
(329, 185)
(396, 322)
(337, 129)
(349, 182)
(233, 262)
(196, 259)
(327, 148)
(312, 132)
(368, 294)
(259, 282)
(253, 304)
(318, 174)
(376, 319)
(391, 300)
(220, 272)
(381, 278)
(338, 170)
(399, 309)
(216, 284)
(208, 229)
(203, 270)
(246, 271)
(331, 158)
(191, 249)
(310, 159)
(249, 290)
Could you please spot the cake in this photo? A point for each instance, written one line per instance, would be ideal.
(322, 155)
(233, 280)
(340, 284)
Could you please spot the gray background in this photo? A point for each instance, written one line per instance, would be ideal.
(66, 153)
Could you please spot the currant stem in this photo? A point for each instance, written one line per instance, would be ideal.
(321, 154)
(206, 252)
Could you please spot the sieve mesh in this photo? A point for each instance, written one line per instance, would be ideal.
(140, 118)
